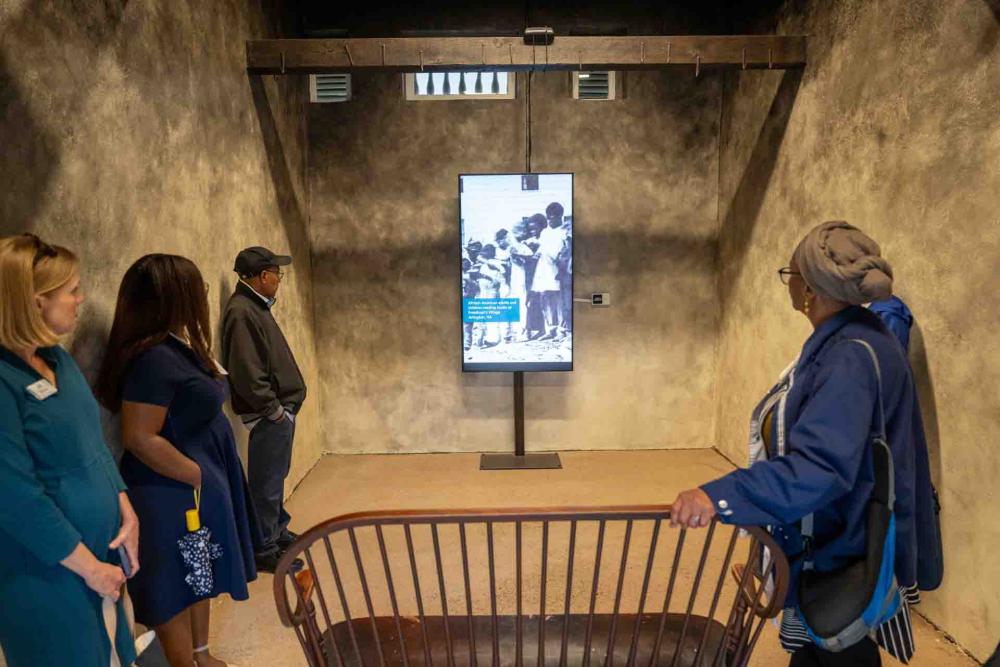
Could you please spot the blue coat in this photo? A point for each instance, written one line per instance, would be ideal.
(827, 469)
(897, 318)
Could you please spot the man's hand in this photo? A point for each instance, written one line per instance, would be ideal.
(692, 509)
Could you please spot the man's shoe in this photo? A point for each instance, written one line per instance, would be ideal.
(286, 540)
(269, 562)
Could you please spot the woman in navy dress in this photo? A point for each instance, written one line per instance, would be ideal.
(159, 374)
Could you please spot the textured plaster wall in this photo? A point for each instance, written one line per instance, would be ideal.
(131, 128)
(384, 224)
(895, 127)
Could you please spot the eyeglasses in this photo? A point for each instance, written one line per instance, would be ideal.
(785, 274)
(277, 272)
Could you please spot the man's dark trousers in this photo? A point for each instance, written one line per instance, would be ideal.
(268, 461)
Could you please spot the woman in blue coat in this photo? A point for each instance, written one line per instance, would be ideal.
(63, 510)
(810, 443)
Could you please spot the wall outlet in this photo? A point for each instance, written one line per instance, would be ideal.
(600, 299)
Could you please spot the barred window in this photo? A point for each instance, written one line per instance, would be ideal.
(459, 85)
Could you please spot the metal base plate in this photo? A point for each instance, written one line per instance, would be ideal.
(515, 462)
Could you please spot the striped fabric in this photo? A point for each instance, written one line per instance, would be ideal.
(895, 636)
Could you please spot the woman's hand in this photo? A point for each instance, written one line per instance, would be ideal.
(105, 579)
(128, 534)
(193, 474)
(102, 578)
(692, 509)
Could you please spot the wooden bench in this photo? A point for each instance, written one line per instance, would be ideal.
(556, 587)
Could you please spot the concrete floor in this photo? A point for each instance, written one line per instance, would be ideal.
(249, 633)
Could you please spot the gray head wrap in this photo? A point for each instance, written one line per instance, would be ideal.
(840, 262)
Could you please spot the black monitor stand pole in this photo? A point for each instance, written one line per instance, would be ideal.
(519, 460)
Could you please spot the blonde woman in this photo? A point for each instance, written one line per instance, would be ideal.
(63, 508)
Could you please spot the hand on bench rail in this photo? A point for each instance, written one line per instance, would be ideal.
(692, 509)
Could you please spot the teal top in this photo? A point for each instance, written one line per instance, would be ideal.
(59, 486)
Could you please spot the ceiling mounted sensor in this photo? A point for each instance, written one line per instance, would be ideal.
(539, 36)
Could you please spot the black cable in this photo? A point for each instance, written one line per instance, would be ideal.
(527, 124)
(527, 101)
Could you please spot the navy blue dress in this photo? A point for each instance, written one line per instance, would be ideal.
(170, 375)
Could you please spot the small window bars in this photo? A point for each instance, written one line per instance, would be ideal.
(459, 85)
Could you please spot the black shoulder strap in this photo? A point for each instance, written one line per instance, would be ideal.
(882, 459)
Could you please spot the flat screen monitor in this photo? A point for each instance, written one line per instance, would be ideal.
(517, 271)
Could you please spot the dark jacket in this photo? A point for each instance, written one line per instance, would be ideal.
(263, 375)
(829, 416)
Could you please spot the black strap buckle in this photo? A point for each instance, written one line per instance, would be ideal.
(807, 548)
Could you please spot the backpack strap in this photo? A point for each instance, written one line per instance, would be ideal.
(879, 440)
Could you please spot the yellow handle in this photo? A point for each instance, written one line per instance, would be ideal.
(193, 517)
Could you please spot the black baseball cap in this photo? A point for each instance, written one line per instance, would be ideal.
(251, 261)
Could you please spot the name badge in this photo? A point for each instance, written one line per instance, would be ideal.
(41, 389)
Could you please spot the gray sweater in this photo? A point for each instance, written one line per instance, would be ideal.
(263, 375)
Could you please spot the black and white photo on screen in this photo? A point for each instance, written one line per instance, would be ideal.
(517, 271)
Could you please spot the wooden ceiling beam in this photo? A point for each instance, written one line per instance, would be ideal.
(414, 54)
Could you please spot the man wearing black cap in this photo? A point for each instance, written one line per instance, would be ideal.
(267, 391)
